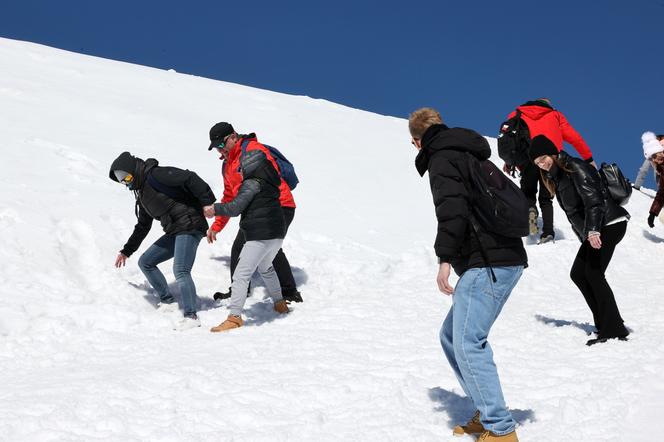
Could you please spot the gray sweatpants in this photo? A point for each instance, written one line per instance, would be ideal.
(255, 255)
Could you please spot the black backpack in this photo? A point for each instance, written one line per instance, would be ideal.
(514, 141)
(498, 205)
(615, 182)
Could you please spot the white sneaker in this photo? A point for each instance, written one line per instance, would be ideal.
(186, 323)
(163, 307)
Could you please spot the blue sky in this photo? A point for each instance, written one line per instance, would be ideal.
(601, 63)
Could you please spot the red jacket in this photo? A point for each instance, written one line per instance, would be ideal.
(230, 171)
(543, 120)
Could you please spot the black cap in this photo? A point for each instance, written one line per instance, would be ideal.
(541, 145)
(218, 132)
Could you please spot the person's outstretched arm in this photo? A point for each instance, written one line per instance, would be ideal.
(248, 190)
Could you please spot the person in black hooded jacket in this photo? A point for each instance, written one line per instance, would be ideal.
(446, 154)
(599, 223)
(176, 198)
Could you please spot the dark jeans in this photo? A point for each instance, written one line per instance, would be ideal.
(183, 248)
(588, 275)
(530, 177)
(280, 263)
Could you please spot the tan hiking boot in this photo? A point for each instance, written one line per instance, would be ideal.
(488, 436)
(281, 307)
(230, 323)
(473, 426)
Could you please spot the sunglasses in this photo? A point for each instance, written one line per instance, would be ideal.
(223, 142)
(127, 179)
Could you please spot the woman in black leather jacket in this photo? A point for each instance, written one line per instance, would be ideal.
(599, 223)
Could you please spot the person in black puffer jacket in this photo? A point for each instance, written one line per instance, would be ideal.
(478, 299)
(599, 223)
(176, 198)
(263, 225)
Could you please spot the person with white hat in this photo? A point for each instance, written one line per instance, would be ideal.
(653, 150)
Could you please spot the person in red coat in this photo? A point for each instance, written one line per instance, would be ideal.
(543, 119)
(228, 143)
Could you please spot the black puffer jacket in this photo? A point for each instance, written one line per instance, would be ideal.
(172, 196)
(257, 199)
(444, 156)
(582, 195)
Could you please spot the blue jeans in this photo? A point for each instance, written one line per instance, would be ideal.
(477, 302)
(183, 248)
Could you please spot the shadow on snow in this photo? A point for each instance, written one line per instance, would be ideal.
(585, 326)
(654, 238)
(460, 408)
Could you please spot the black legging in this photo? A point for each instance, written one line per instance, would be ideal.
(280, 263)
(530, 177)
(588, 275)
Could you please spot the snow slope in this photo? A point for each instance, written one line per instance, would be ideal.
(85, 356)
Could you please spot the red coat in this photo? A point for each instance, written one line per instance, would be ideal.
(542, 120)
(230, 171)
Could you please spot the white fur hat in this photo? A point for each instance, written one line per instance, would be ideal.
(651, 144)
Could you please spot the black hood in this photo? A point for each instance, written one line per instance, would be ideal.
(539, 103)
(439, 137)
(134, 165)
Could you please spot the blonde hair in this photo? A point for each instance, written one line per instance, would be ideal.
(420, 120)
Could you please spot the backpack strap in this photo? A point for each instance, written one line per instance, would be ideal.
(243, 150)
(485, 257)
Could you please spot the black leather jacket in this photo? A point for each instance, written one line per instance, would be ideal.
(583, 197)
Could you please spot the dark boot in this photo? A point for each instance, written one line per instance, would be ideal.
(292, 296)
(547, 219)
(590, 342)
(218, 296)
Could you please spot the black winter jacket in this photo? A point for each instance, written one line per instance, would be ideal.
(173, 196)
(257, 199)
(582, 195)
(444, 155)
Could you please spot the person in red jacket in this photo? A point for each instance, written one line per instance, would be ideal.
(543, 119)
(228, 143)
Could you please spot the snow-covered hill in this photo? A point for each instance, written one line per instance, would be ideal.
(85, 356)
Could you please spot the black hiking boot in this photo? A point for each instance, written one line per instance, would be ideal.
(292, 296)
(602, 340)
(546, 237)
(218, 296)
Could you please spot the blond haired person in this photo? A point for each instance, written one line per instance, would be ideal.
(446, 154)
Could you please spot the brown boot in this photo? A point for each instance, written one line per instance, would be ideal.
(230, 323)
(488, 436)
(281, 307)
(474, 426)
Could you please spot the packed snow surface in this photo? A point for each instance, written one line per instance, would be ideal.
(85, 356)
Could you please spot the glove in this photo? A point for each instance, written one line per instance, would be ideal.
(651, 220)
